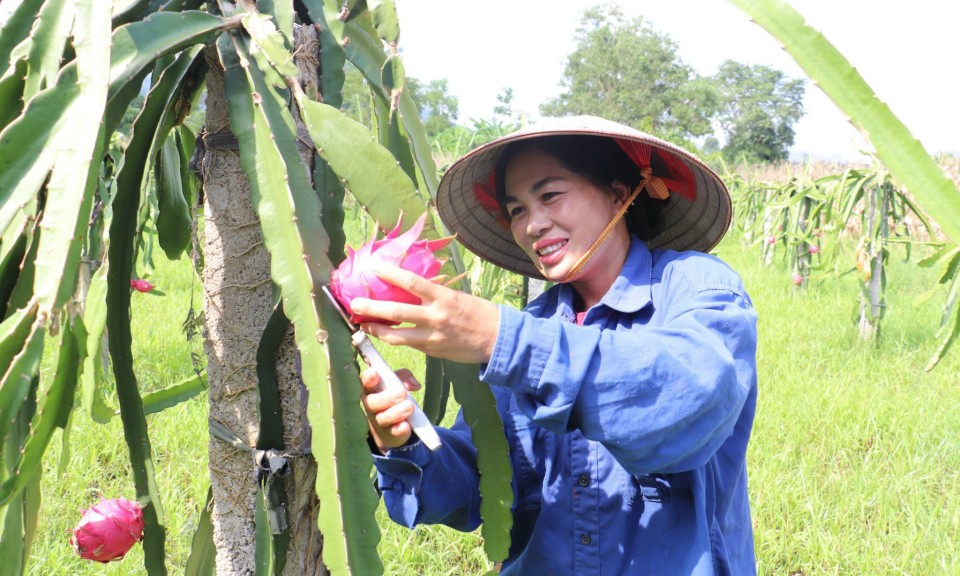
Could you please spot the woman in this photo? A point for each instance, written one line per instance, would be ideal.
(627, 390)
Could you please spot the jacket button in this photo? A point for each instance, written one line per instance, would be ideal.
(583, 481)
(585, 538)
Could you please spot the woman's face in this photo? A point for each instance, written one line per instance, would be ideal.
(556, 215)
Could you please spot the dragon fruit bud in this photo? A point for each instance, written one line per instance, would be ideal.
(797, 280)
(108, 530)
(354, 277)
(771, 239)
(813, 249)
(141, 285)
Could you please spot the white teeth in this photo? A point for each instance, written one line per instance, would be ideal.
(551, 249)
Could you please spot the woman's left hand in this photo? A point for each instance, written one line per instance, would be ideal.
(446, 324)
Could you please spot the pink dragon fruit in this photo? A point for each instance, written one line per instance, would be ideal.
(141, 285)
(108, 530)
(354, 278)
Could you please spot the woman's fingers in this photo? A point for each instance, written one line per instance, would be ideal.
(396, 312)
(395, 414)
(371, 380)
(388, 410)
(446, 324)
(412, 283)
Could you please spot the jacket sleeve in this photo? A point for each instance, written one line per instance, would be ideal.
(661, 397)
(421, 486)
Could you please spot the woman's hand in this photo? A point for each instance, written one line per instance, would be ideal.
(447, 324)
(388, 410)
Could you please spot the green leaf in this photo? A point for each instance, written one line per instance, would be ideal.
(135, 46)
(159, 400)
(950, 270)
(13, 545)
(948, 251)
(203, 552)
(134, 10)
(54, 412)
(332, 58)
(20, 372)
(895, 146)
(174, 220)
(367, 169)
(150, 129)
(493, 456)
(950, 336)
(267, 39)
(331, 194)
(186, 144)
(67, 210)
(289, 214)
(29, 144)
(32, 498)
(282, 13)
(120, 257)
(268, 406)
(48, 41)
(14, 249)
(263, 551)
(16, 29)
(11, 92)
(95, 319)
(352, 9)
(385, 19)
(436, 390)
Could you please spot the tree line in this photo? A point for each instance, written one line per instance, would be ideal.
(626, 70)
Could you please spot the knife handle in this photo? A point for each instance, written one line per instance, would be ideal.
(389, 380)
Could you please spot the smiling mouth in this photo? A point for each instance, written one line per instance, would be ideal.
(551, 249)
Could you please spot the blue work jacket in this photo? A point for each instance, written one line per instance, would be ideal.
(627, 433)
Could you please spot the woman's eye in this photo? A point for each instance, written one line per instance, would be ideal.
(515, 211)
(547, 196)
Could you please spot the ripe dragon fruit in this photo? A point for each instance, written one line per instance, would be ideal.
(354, 277)
(108, 530)
(141, 285)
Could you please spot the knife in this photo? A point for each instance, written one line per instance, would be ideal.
(388, 378)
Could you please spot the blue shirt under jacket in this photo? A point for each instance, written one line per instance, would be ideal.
(627, 434)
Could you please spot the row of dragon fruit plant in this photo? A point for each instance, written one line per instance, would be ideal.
(818, 228)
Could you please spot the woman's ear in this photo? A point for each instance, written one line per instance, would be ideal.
(620, 191)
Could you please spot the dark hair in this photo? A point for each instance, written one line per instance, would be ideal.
(600, 160)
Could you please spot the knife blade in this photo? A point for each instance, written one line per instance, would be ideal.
(388, 378)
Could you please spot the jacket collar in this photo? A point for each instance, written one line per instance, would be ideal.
(630, 291)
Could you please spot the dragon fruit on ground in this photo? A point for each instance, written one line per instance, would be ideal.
(354, 277)
(108, 530)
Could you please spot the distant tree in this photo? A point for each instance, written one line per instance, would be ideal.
(438, 108)
(624, 70)
(504, 108)
(758, 107)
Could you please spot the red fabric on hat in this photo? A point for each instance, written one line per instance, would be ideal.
(486, 197)
(680, 178)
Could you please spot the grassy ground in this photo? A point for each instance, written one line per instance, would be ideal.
(854, 463)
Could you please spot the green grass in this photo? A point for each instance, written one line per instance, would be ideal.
(854, 465)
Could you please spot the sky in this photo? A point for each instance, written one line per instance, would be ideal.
(906, 52)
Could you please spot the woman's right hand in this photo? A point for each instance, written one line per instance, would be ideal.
(388, 410)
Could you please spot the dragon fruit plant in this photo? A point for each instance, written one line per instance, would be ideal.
(108, 530)
(354, 278)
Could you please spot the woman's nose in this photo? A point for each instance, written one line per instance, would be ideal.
(537, 222)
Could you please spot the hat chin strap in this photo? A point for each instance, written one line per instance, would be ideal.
(654, 186)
